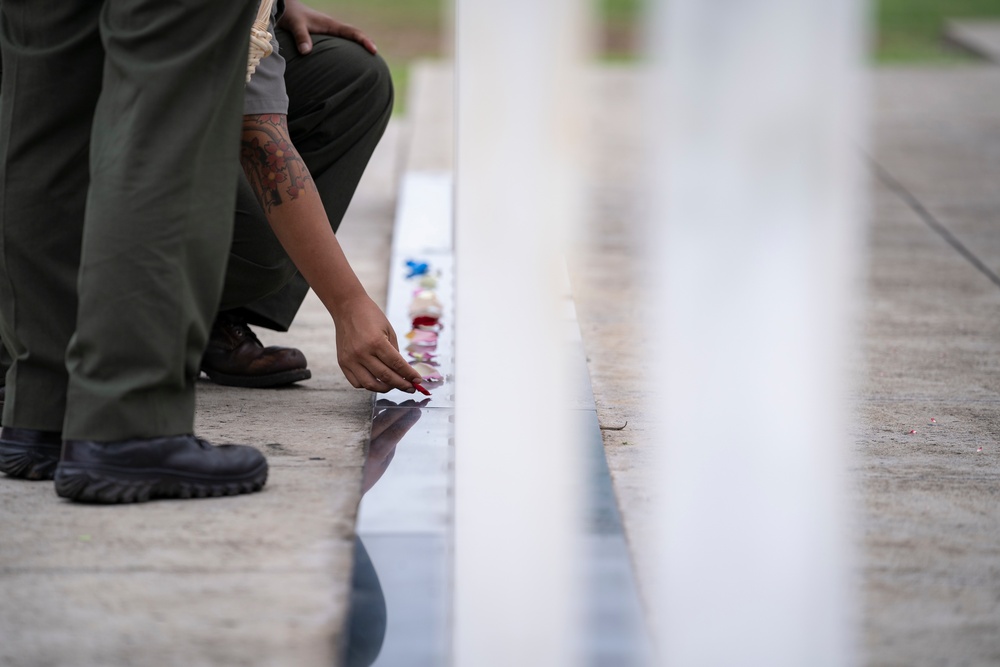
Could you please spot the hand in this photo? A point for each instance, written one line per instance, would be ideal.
(301, 21)
(367, 349)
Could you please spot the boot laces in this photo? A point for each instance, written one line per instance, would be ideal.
(239, 327)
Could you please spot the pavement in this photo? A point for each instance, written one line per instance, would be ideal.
(263, 579)
(930, 517)
(926, 511)
(260, 579)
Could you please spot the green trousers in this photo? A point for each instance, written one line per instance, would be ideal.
(119, 129)
(340, 100)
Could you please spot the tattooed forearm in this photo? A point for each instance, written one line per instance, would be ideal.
(276, 172)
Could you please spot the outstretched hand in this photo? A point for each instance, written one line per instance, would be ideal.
(367, 349)
(301, 20)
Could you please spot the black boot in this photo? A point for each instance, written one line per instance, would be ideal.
(29, 454)
(137, 470)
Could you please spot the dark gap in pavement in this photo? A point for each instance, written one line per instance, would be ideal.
(911, 200)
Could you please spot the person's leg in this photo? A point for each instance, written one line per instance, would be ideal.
(340, 101)
(158, 215)
(150, 80)
(164, 139)
(5, 363)
(258, 265)
(53, 60)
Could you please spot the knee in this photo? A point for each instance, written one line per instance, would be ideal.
(378, 82)
(351, 76)
(367, 77)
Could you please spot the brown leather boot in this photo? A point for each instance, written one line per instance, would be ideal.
(235, 357)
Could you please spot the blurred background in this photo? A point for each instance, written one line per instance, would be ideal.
(906, 31)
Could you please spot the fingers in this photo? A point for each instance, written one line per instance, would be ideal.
(391, 357)
(351, 377)
(387, 377)
(380, 370)
(300, 31)
(301, 21)
(363, 40)
(320, 24)
(346, 31)
(373, 375)
(369, 380)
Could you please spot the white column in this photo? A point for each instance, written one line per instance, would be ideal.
(756, 118)
(516, 468)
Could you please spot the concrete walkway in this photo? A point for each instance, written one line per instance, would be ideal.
(260, 579)
(928, 503)
(263, 579)
(929, 500)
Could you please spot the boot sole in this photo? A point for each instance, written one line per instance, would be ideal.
(259, 381)
(34, 462)
(109, 485)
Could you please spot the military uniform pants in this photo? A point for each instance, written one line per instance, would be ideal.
(340, 100)
(119, 129)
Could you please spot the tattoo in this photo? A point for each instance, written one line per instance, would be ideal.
(276, 172)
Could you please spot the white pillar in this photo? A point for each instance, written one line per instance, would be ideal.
(516, 516)
(756, 120)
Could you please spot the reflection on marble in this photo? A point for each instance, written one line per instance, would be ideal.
(388, 428)
(402, 584)
(398, 617)
(414, 494)
(423, 217)
(365, 630)
(400, 602)
(414, 573)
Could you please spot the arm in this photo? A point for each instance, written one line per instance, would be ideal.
(366, 344)
(301, 21)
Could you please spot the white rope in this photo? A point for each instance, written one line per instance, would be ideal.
(260, 38)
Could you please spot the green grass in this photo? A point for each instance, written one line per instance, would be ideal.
(400, 72)
(403, 30)
(619, 10)
(910, 30)
(420, 14)
(907, 31)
